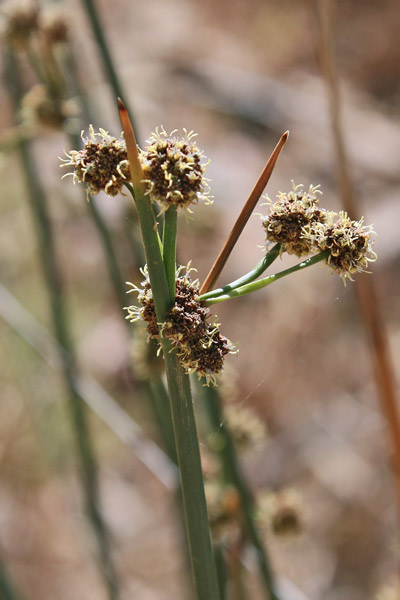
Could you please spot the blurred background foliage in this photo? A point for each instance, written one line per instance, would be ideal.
(239, 73)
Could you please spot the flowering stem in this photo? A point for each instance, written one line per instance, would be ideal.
(186, 440)
(258, 270)
(169, 248)
(258, 285)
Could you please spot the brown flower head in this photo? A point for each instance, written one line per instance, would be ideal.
(348, 242)
(289, 215)
(189, 326)
(281, 511)
(54, 24)
(102, 164)
(20, 19)
(38, 107)
(174, 170)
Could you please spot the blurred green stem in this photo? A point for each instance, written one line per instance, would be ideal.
(233, 474)
(261, 283)
(7, 589)
(89, 470)
(108, 63)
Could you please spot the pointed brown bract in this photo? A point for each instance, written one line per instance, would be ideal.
(244, 216)
(135, 166)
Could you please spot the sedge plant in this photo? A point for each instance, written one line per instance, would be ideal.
(169, 174)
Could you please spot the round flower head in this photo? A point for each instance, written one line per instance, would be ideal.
(39, 107)
(289, 215)
(54, 24)
(174, 172)
(20, 20)
(196, 339)
(348, 242)
(102, 164)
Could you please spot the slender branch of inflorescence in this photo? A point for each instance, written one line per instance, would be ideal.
(261, 283)
(258, 270)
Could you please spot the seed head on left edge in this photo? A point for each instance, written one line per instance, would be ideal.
(102, 164)
(174, 171)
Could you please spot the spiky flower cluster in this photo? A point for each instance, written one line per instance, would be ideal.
(194, 336)
(173, 169)
(289, 215)
(301, 227)
(348, 242)
(102, 164)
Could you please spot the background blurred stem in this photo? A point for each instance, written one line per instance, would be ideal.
(108, 63)
(7, 589)
(232, 473)
(365, 287)
(88, 471)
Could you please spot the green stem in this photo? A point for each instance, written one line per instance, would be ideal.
(7, 590)
(85, 450)
(186, 440)
(233, 474)
(108, 63)
(169, 248)
(258, 270)
(261, 283)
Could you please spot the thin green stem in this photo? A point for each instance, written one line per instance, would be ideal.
(85, 450)
(7, 588)
(169, 248)
(258, 270)
(234, 475)
(103, 47)
(186, 440)
(261, 283)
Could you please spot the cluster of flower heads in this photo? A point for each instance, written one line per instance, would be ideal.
(173, 169)
(193, 334)
(301, 227)
(23, 19)
(102, 164)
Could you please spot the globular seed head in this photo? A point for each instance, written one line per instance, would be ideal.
(281, 511)
(289, 215)
(54, 24)
(349, 243)
(102, 164)
(245, 426)
(193, 334)
(38, 107)
(174, 170)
